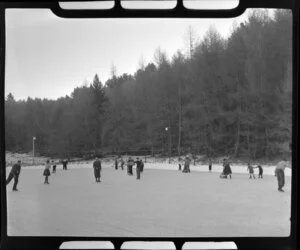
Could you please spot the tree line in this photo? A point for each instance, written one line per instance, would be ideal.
(228, 96)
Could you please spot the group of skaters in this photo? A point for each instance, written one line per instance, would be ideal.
(47, 169)
(226, 173)
(16, 169)
(119, 162)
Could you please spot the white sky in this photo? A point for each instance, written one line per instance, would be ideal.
(48, 56)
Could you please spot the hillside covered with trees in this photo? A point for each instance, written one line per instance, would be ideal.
(228, 96)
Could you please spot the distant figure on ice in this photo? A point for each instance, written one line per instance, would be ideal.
(142, 166)
(251, 171)
(122, 163)
(138, 163)
(14, 173)
(47, 172)
(97, 169)
(226, 169)
(65, 163)
(116, 163)
(187, 162)
(53, 167)
(279, 172)
(209, 165)
(260, 171)
(179, 165)
(130, 164)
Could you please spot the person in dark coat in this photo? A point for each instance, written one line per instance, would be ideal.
(142, 166)
(122, 163)
(187, 162)
(179, 165)
(65, 163)
(130, 164)
(14, 174)
(227, 169)
(279, 173)
(97, 169)
(116, 163)
(46, 172)
(251, 171)
(138, 168)
(260, 171)
(209, 165)
(53, 167)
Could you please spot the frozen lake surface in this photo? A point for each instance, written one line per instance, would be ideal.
(163, 203)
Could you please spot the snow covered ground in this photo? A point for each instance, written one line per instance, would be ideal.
(162, 204)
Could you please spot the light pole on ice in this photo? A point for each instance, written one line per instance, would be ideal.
(169, 143)
(33, 142)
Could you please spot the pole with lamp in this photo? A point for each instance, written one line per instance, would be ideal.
(33, 142)
(169, 143)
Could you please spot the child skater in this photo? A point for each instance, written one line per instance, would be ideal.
(53, 167)
(251, 171)
(47, 172)
(260, 171)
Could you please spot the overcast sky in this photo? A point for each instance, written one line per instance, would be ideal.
(48, 56)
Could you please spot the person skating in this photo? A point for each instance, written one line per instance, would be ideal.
(179, 167)
(209, 165)
(116, 163)
(138, 168)
(227, 169)
(279, 173)
(130, 164)
(97, 169)
(14, 174)
(122, 163)
(251, 171)
(65, 163)
(260, 171)
(53, 167)
(187, 162)
(142, 166)
(47, 172)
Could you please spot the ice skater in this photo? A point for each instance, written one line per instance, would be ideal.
(14, 174)
(46, 172)
(226, 169)
(260, 171)
(53, 167)
(130, 164)
(138, 168)
(279, 173)
(116, 163)
(187, 162)
(97, 169)
(179, 167)
(251, 171)
(209, 165)
(122, 163)
(142, 166)
(65, 163)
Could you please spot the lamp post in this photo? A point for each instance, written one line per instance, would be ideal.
(169, 143)
(33, 141)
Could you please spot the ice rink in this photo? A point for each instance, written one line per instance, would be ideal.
(163, 203)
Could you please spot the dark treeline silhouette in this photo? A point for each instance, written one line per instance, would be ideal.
(228, 96)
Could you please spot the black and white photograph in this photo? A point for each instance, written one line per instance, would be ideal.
(148, 127)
